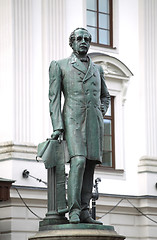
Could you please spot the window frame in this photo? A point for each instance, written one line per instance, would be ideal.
(110, 45)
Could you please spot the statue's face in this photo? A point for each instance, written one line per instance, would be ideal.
(81, 43)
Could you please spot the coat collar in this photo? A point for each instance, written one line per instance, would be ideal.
(77, 64)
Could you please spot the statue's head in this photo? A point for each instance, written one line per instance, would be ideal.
(80, 40)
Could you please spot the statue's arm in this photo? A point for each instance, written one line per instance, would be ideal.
(105, 96)
(55, 99)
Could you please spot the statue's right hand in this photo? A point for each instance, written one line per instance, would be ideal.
(55, 135)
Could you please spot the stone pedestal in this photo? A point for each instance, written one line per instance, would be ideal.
(78, 232)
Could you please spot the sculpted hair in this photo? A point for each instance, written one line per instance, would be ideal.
(72, 36)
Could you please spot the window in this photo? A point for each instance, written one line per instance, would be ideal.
(108, 147)
(99, 22)
(117, 76)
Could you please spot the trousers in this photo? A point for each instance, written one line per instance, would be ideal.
(80, 184)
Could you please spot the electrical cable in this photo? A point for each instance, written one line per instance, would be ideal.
(132, 206)
(101, 216)
(112, 208)
(141, 212)
(38, 179)
(27, 205)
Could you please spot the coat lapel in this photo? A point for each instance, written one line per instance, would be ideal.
(77, 64)
(90, 70)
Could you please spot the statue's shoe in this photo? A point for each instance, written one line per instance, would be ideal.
(74, 218)
(90, 220)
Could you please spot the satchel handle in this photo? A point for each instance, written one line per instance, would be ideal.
(60, 138)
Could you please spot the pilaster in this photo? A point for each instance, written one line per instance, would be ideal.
(6, 71)
(147, 171)
(148, 51)
(34, 33)
(22, 66)
(53, 48)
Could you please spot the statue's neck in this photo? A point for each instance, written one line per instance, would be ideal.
(82, 57)
(78, 55)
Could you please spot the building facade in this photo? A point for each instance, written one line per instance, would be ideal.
(124, 33)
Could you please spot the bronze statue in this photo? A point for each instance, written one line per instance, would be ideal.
(86, 100)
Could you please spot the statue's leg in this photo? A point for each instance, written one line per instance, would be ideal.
(86, 193)
(87, 187)
(77, 167)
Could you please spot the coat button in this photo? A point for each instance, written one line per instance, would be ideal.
(94, 83)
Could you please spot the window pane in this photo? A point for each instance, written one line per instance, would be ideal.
(91, 4)
(107, 143)
(108, 113)
(103, 6)
(104, 37)
(91, 19)
(107, 127)
(104, 21)
(107, 159)
(93, 32)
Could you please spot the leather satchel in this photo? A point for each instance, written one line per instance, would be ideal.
(54, 154)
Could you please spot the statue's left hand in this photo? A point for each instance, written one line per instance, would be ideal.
(55, 135)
